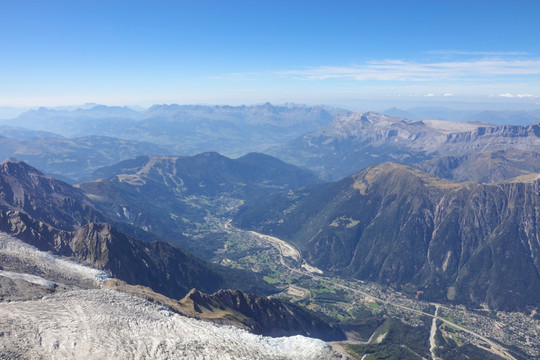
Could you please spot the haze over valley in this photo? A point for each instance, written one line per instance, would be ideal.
(382, 251)
(249, 180)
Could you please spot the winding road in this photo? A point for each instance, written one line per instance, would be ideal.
(287, 250)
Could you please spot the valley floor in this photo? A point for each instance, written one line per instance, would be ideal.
(500, 335)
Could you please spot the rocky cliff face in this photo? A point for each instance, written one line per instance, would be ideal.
(271, 317)
(353, 142)
(484, 167)
(470, 243)
(24, 188)
(54, 216)
(485, 245)
(158, 265)
(497, 135)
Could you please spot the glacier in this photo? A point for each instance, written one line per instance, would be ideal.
(91, 322)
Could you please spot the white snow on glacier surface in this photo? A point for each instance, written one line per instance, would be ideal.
(105, 324)
(48, 262)
(27, 277)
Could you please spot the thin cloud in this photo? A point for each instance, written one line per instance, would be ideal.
(477, 53)
(519, 96)
(400, 70)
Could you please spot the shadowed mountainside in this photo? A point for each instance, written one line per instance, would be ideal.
(271, 317)
(174, 195)
(24, 188)
(54, 216)
(461, 242)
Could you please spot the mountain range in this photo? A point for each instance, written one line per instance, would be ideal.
(435, 239)
(53, 216)
(74, 160)
(174, 195)
(185, 129)
(421, 217)
(72, 144)
(74, 229)
(355, 141)
(496, 117)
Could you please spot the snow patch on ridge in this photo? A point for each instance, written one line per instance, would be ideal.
(452, 126)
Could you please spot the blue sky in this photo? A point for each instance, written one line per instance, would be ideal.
(348, 53)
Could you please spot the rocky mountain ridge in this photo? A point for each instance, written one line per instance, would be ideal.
(484, 167)
(54, 216)
(175, 195)
(260, 315)
(75, 159)
(436, 239)
(186, 129)
(355, 141)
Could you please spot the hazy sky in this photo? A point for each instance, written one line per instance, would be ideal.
(245, 52)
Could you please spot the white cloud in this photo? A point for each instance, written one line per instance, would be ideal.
(429, 95)
(477, 53)
(401, 70)
(519, 96)
(448, 94)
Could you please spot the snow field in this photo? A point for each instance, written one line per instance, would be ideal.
(95, 324)
(48, 263)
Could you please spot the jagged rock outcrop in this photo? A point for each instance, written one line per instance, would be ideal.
(271, 317)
